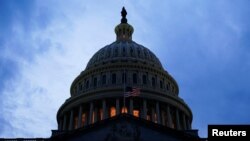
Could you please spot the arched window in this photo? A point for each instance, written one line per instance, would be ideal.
(136, 113)
(83, 119)
(144, 79)
(116, 52)
(131, 50)
(134, 78)
(95, 82)
(101, 114)
(75, 89)
(155, 118)
(87, 84)
(161, 85)
(153, 81)
(112, 111)
(145, 53)
(76, 122)
(113, 78)
(139, 52)
(168, 85)
(124, 110)
(80, 86)
(104, 79)
(108, 52)
(123, 51)
(124, 78)
(164, 118)
(148, 117)
(93, 117)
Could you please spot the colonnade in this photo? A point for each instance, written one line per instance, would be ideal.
(93, 111)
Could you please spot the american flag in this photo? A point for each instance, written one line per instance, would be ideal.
(132, 92)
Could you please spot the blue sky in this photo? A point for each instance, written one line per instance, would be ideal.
(45, 44)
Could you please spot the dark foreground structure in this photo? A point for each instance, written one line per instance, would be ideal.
(124, 94)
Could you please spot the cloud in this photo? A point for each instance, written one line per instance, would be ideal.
(47, 59)
(46, 44)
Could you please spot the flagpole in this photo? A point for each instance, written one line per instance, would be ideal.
(124, 90)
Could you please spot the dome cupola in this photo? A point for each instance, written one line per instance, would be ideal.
(124, 30)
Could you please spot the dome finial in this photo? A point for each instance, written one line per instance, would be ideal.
(124, 13)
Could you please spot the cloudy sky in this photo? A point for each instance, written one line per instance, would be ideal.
(45, 44)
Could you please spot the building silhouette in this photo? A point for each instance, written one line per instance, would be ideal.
(98, 108)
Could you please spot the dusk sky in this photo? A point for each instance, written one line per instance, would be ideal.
(45, 44)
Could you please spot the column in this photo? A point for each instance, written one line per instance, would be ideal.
(184, 121)
(95, 114)
(86, 119)
(64, 122)
(129, 78)
(153, 115)
(91, 112)
(71, 120)
(158, 113)
(131, 106)
(117, 106)
(163, 117)
(108, 76)
(169, 117)
(188, 124)
(60, 124)
(144, 108)
(79, 124)
(177, 119)
(104, 111)
(140, 78)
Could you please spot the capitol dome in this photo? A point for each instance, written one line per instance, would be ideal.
(97, 93)
(124, 50)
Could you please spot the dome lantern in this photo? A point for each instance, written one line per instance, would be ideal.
(124, 30)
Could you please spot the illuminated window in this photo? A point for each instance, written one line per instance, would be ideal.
(124, 110)
(173, 125)
(148, 117)
(112, 111)
(83, 119)
(136, 113)
(164, 118)
(75, 122)
(101, 114)
(155, 118)
(93, 117)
